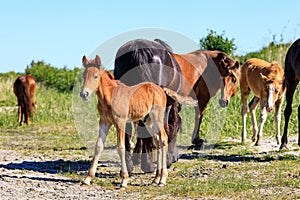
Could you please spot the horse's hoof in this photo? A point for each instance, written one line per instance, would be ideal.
(198, 141)
(191, 147)
(85, 185)
(253, 139)
(257, 144)
(283, 146)
(162, 184)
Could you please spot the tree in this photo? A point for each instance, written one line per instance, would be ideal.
(214, 41)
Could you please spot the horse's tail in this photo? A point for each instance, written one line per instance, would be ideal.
(183, 100)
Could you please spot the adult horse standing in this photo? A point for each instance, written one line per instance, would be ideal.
(144, 60)
(292, 77)
(24, 89)
(204, 74)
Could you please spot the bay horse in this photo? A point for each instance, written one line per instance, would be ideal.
(143, 60)
(204, 73)
(119, 104)
(25, 89)
(266, 81)
(292, 77)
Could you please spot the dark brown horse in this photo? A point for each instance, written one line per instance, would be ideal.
(144, 60)
(292, 77)
(24, 89)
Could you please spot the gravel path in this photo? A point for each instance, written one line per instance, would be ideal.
(36, 177)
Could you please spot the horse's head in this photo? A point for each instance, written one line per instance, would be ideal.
(272, 85)
(229, 88)
(91, 76)
(225, 63)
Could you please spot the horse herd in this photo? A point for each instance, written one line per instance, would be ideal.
(150, 83)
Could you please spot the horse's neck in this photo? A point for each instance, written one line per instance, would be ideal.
(106, 87)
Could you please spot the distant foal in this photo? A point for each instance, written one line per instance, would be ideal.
(265, 80)
(24, 89)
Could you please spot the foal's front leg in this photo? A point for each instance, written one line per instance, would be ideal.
(103, 130)
(263, 117)
(278, 105)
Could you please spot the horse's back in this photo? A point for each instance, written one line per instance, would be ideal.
(135, 102)
(24, 84)
(144, 60)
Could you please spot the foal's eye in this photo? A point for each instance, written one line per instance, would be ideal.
(96, 76)
(276, 91)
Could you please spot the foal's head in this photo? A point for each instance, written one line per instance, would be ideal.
(91, 76)
(272, 85)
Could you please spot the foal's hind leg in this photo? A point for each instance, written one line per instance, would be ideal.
(252, 106)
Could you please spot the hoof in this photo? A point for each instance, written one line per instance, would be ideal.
(253, 139)
(257, 144)
(283, 146)
(198, 141)
(162, 184)
(85, 185)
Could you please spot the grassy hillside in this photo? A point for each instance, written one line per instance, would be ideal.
(55, 100)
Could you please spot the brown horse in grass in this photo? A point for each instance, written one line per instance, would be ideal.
(266, 81)
(292, 78)
(24, 89)
(119, 104)
(204, 74)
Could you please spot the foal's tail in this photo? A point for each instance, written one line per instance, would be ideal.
(183, 100)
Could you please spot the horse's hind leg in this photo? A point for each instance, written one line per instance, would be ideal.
(20, 115)
(291, 87)
(299, 125)
(252, 106)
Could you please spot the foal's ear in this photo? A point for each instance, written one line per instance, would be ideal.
(85, 62)
(265, 78)
(98, 61)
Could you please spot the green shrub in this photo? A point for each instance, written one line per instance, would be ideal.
(61, 79)
(214, 41)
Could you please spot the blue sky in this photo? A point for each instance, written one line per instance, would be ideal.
(61, 32)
